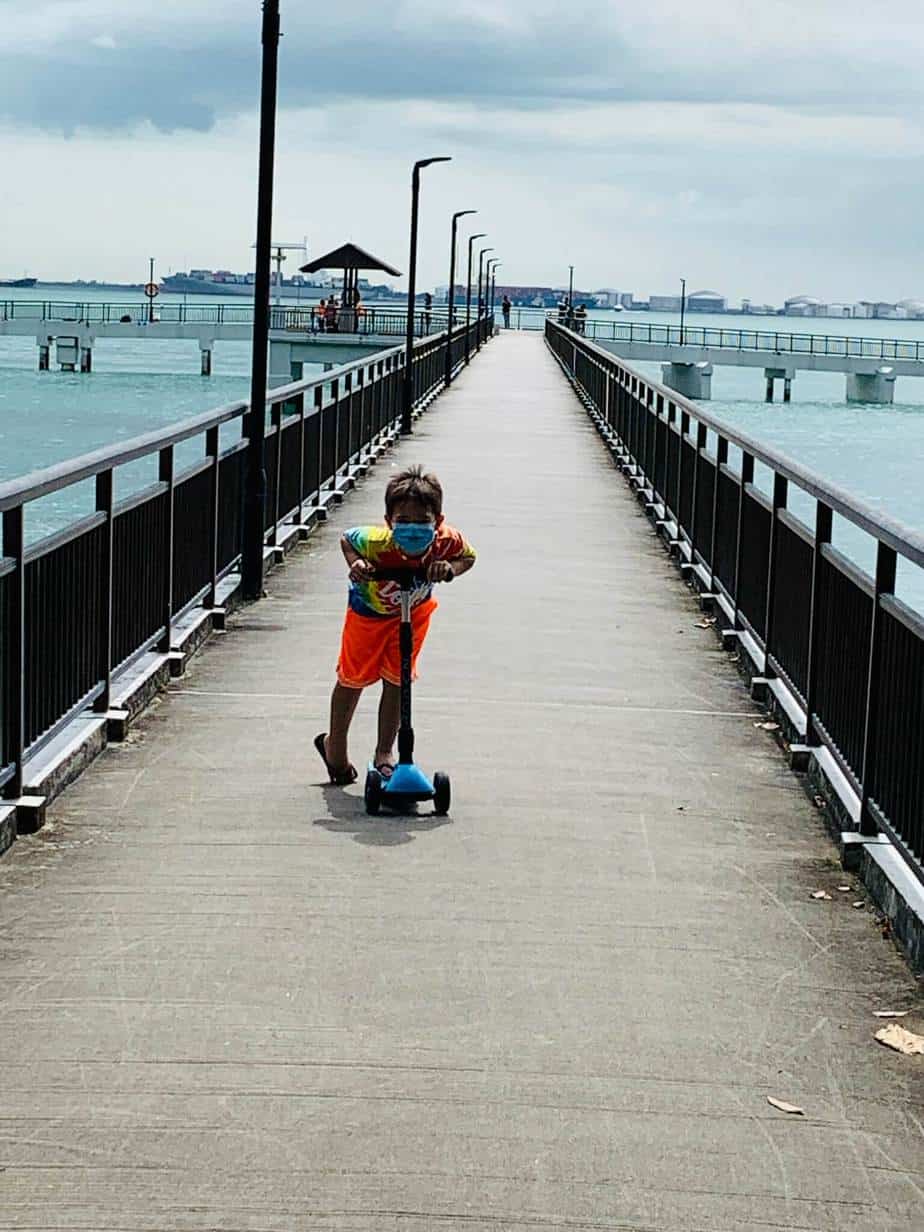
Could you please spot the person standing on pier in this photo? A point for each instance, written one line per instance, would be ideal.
(505, 309)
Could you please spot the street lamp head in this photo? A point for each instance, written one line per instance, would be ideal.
(425, 162)
(462, 213)
(479, 235)
(482, 251)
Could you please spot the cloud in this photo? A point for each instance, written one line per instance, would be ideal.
(179, 68)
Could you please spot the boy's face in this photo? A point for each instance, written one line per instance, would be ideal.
(412, 511)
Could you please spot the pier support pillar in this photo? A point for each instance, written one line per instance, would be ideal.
(298, 369)
(44, 357)
(66, 354)
(779, 374)
(206, 365)
(86, 359)
(691, 380)
(327, 367)
(280, 364)
(874, 387)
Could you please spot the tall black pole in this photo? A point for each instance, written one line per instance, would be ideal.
(452, 288)
(407, 404)
(255, 420)
(479, 235)
(150, 290)
(480, 274)
(571, 286)
(683, 305)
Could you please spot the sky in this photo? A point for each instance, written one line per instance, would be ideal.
(757, 149)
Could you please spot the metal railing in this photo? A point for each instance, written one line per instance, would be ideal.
(80, 605)
(846, 653)
(772, 341)
(389, 322)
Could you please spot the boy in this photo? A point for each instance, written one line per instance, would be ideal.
(414, 536)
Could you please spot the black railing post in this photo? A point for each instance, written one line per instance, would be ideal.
(103, 673)
(886, 561)
(14, 673)
(254, 471)
(212, 449)
(319, 461)
(300, 411)
(348, 394)
(780, 496)
(165, 475)
(335, 402)
(276, 421)
(747, 478)
(824, 521)
(701, 437)
(721, 459)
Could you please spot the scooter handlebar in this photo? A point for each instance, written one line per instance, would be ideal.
(404, 577)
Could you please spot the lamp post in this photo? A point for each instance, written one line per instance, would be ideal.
(452, 288)
(408, 402)
(490, 248)
(479, 235)
(683, 305)
(570, 290)
(252, 534)
(488, 267)
(494, 266)
(150, 291)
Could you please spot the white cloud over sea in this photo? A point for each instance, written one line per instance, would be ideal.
(760, 148)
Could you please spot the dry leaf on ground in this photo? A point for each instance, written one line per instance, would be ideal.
(845, 889)
(894, 1036)
(890, 1013)
(860, 903)
(784, 1107)
(769, 725)
(821, 894)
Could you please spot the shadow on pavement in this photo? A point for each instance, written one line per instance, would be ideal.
(348, 816)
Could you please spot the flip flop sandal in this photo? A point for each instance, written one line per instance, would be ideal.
(386, 769)
(342, 777)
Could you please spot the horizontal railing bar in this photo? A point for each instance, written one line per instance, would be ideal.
(761, 498)
(141, 497)
(846, 566)
(905, 540)
(796, 525)
(7, 565)
(904, 614)
(59, 724)
(194, 469)
(58, 539)
(6, 773)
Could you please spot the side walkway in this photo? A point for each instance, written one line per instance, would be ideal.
(231, 1001)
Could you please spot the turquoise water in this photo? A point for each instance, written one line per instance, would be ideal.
(875, 452)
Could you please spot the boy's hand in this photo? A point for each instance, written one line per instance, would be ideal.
(440, 571)
(361, 570)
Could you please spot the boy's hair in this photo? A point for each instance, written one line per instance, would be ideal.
(414, 485)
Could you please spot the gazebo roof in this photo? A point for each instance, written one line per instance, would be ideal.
(348, 256)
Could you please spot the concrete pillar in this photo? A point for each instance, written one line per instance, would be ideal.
(327, 367)
(206, 365)
(298, 369)
(779, 374)
(280, 364)
(787, 389)
(44, 356)
(873, 387)
(86, 359)
(769, 395)
(66, 354)
(691, 380)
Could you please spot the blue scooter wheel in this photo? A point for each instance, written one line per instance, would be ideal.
(373, 792)
(442, 794)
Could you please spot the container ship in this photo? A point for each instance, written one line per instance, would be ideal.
(225, 283)
(18, 282)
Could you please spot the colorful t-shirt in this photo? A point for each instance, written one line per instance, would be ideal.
(377, 545)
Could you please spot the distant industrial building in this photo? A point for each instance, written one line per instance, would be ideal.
(607, 297)
(664, 303)
(706, 301)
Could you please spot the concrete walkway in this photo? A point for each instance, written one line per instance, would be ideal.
(231, 1001)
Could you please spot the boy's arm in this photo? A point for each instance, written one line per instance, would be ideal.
(459, 559)
(360, 569)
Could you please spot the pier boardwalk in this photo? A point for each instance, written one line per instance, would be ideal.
(230, 1000)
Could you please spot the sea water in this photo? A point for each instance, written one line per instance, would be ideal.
(137, 385)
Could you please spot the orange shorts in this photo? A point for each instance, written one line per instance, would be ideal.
(369, 649)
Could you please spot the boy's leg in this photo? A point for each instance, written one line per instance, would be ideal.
(389, 721)
(343, 703)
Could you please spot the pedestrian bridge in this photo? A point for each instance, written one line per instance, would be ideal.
(67, 333)
(688, 354)
(232, 1000)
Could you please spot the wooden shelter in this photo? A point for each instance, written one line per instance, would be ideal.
(351, 259)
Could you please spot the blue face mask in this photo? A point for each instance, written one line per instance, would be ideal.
(413, 538)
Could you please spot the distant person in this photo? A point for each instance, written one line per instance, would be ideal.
(505, 309)
(562, 312)
(580, 319)
(428, 310)
(320, 313)
(330, 315)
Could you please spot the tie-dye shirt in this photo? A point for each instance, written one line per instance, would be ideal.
(377, 545)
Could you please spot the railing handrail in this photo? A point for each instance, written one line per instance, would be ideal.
(904, 539)
(26, 488)
(640, 332)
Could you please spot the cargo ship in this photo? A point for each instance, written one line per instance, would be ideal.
(18, 282)
(225, 283)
